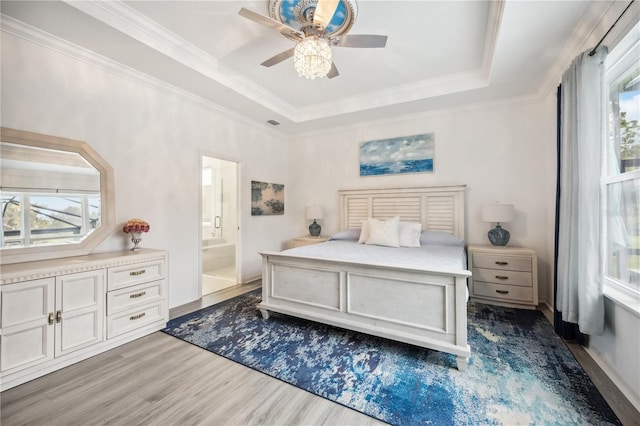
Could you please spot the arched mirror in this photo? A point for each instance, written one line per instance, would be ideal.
(57, 197)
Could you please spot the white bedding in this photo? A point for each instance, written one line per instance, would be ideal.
(427, 257)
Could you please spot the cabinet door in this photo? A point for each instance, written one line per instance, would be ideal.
(80, 300)
(26, 336)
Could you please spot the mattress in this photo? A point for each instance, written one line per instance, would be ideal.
(426, 258)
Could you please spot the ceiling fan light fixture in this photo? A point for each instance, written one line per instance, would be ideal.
(312, 57)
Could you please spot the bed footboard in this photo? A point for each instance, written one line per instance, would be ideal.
(423, 308)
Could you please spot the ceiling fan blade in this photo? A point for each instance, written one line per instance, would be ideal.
(278, 58)
(333, 72)
(271, 23)
(324, 12)
(360, 40)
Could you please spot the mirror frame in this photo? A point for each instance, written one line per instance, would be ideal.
(107, 198)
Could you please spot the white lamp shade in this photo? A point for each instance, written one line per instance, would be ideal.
(314, 212)
(498, 213)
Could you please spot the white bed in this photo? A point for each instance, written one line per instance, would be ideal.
(413, 295)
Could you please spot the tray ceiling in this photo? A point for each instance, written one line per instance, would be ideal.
(439, 54)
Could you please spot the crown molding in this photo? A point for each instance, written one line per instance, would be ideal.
(39, 37)
(129, 21)
(397, 95)
(494, 22)
(530, 99)
(122, 17)
(597, 19)
(445, 85)
(46, 40)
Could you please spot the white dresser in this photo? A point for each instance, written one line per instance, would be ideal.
(54, 313)
(505, 276)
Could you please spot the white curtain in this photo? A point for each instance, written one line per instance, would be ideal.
(580, 264)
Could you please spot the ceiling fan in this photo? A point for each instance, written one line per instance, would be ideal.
(318, 32)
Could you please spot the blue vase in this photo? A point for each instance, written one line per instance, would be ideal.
(314, 229)
(499, 236)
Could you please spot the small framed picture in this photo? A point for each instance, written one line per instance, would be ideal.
(266, 198)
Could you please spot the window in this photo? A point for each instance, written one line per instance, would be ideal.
(44, 219)
(622, 168)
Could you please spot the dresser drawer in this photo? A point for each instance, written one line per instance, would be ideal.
(131, 297)
(506, 263)
(503, 292)
(128, 275)
(496, 276)
(127, 321)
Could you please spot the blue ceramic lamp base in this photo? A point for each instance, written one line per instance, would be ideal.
(499, 236)
(314, 229)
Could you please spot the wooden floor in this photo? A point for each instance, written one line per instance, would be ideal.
(161, 380)
(619, 403)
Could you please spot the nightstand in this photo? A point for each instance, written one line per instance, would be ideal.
(307, 240)
(506, 276)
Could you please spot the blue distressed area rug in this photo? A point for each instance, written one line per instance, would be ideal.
(520, 371)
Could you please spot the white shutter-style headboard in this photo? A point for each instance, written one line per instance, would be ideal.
(437, 208)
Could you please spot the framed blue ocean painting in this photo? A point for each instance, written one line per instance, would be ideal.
(405, 154)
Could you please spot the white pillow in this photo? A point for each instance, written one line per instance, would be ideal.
(410, 234)
(440, 238)
(346, 234)
(364, 233)
(384, 232)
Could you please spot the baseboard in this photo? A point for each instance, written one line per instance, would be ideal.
(251, 280)
(546, 311)
(633, 399)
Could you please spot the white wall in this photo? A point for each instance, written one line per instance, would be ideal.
(617, 350)
(500, 152)
(153, 139)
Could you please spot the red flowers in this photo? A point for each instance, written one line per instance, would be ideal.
(135, 225)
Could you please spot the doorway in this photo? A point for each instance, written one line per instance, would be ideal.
(219, 218)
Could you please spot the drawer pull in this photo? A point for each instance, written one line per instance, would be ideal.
(502, 277)
(133, 296)
(58, 316)
(502, 291)
(135, 317)
(140, 272)
(501, 263)
(51, 318)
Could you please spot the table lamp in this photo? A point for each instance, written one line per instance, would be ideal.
(314, 212)
(498, 213)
